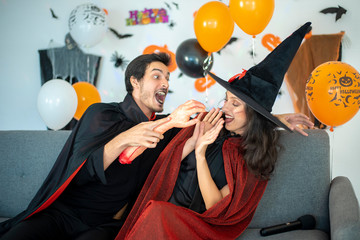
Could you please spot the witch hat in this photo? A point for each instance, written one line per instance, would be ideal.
(259, 86)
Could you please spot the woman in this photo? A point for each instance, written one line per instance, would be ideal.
(217, 198)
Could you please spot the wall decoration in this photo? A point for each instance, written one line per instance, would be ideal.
(87, 24)
(156, 49)
(148, 16)
(338, 10)
(53, 15)
(174, 3)
(118, 35)
(201, 84)
(119, 60)
(233, 39)
(172, 24)
(69, 63)
(270, 41)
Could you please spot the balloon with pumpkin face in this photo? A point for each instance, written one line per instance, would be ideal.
(333, 93)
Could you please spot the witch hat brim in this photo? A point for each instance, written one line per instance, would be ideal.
(249, 101)
(260, 86)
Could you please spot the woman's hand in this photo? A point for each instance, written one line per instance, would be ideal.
(296, 122)
(211, 118)
(207, 138)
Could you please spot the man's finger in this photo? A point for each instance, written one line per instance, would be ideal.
(191, 122)
(157, 123)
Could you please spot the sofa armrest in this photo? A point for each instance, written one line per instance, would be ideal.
(344, 210)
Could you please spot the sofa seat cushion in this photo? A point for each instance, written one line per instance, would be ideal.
(254, 234)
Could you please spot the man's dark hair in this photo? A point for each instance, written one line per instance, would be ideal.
(137, 67)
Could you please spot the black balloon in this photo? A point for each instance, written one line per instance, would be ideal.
(190, 58)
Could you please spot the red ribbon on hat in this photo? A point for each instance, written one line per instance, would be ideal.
(238, 76)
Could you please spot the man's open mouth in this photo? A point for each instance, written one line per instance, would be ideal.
(160, 96)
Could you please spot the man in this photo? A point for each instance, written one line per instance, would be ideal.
(89, 192)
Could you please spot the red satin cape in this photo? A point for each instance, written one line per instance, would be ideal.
(152, 217)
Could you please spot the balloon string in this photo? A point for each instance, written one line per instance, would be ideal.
(332, 153)
(88, 69)
(206, 90)
(253, 49)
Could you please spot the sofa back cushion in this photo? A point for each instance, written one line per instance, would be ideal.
(299, 186)
(26, 158)
(300, 183)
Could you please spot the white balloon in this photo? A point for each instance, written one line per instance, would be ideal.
(87, 24)
(57, 103)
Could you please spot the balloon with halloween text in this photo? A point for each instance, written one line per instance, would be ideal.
(213, 26)
(190, 58)
(56, 103)
(333, 93)
(87, 94)
(87, 24)
(252, 16)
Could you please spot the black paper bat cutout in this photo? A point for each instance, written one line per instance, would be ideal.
(338, 10)
(118, 35)
(53, 14)
(233, 39)
(168, 5)
(176, 5)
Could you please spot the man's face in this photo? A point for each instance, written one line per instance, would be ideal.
(150, 92)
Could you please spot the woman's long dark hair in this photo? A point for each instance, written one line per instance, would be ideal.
(261, 144)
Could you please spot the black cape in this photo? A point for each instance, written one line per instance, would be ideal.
(99, 124)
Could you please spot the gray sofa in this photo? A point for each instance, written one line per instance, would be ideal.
(301, 184)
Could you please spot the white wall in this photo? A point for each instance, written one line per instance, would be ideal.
(27, 26)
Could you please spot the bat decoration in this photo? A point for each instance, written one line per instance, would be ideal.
(252, 53)
(53, 14)
(176, 5)
(233, 39)
(338, 10)
(119, 60)
(168, 5)
(118, 35)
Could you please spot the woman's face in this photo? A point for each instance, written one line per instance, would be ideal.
(234, 111)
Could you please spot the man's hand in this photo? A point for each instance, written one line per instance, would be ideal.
(144, 134)
(296, 122)
(180, 118)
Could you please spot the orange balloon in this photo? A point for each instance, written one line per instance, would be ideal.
(333, 93)
(213, 26)
(155, 49)
(252, 16)
(87, 94)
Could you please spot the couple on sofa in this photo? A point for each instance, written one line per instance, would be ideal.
(198, 178)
